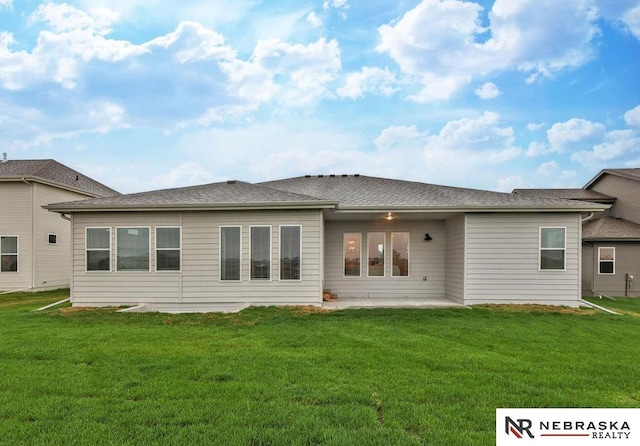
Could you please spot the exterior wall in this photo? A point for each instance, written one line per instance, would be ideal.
(197, 285)
(503, 260)
(627, 191)
(15, 219)
(53, 261)
(426, 259)
(455, 259)
(627, 261)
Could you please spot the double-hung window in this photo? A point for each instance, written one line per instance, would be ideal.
(290, 252)
(606, 260)
(230, 252)
(400, 254)
(260, 252)
(552, 248)
(132, 249)
(168, 242)
(352, 254)
(98, 249)
(8, 253)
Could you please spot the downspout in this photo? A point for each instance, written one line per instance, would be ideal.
(68, 218)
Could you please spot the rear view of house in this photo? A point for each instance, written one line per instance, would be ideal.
(35, 245)
(223, 245)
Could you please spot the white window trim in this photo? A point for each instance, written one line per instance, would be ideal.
(540, 248)
(164, 271)
(600, 261)
(220, 279)
(86, 264)
(270, 253)
(49, 239)
(17, 254)
(384, 258)
(344, 256)
(408, 254)
(280, 279)
(116, 250)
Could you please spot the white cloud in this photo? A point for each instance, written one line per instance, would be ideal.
(6, 4)
(368, 80)
(191, 42)
(489, 90)
(538, 148)
(313, 18)
(632, 117)
(631, 18)
(400, 136)
(616, 144)
(533, 126)
(443, 42)
(574, 133)
(548, 169)
(303, 72)
(338, 4)
(184, 174)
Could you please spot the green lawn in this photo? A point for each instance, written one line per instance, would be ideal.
(296, 376)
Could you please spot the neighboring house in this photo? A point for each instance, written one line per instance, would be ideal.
(216, 246)
(35, 245)
(611, 239)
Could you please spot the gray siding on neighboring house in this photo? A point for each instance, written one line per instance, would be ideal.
(503, 260)
(426, 259)
(53, 261)
(626, 191)
(455, 259)
(198, 284)
(15, 220)
(627, 261)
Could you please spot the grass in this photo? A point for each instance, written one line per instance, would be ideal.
(298, 376)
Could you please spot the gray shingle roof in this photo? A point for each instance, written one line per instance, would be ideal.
(631, 173)
(610, 228)
(229, 194)
(341, 192)
(570, 194)
(357, 191)
(53, 172)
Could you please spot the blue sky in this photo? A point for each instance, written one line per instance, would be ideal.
(152, 94)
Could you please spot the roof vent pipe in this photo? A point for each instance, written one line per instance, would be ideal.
(4, 157)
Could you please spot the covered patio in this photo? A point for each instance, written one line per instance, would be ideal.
(379, 302)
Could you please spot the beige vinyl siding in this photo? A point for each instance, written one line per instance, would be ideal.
(503, 260)
(627, 261)
(198, 284)
(455, 259)
(15, 220)
(52, 262)
(626, 191)
(426, 259)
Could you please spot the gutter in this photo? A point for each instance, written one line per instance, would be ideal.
(194, 207)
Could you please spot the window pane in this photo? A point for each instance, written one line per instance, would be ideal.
(261, 252)
(168, 238)
(9, 245)
(229, 253)
(552, 238)
(290, 253)
(552, 259)
(133, 249)
(8, 263)
(98, 260)
(606, 267)
(168, 260)
(98, 238)
(352, 255)
(606, 253)
(376, 254)
(400, 251)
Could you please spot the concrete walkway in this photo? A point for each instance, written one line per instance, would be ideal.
(377, 302)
